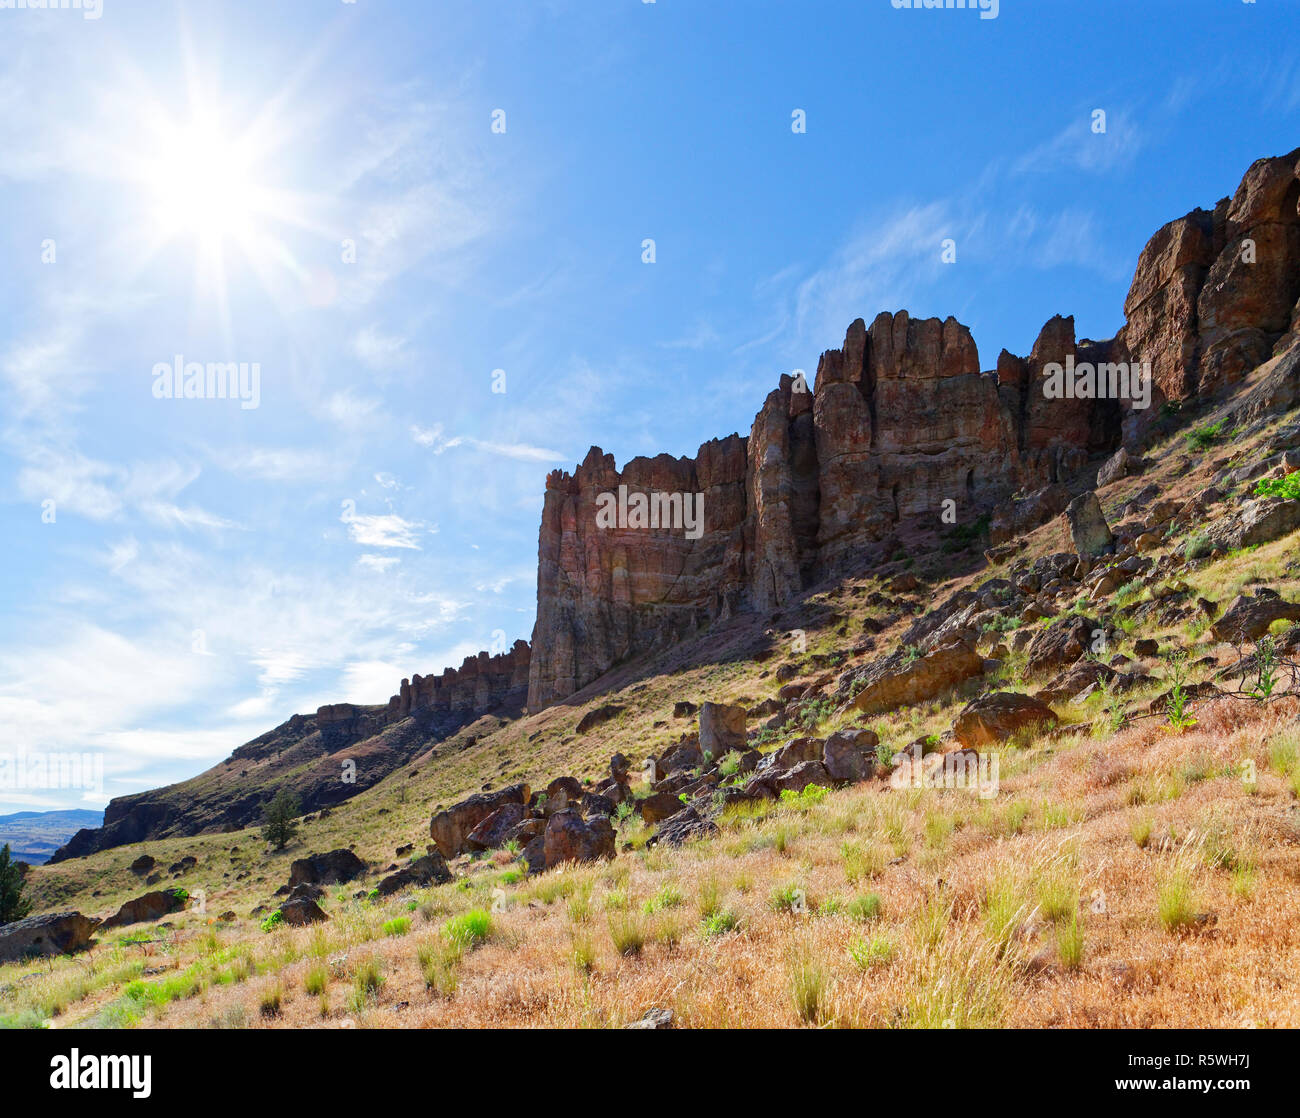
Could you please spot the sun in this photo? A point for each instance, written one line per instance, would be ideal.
(203, 181)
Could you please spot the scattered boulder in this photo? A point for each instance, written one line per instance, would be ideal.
(1146, 648)
(1249, 618)
(722, 729)
(54, 933)
(850, 755)
(599, 716)
(143, 864)
(1123, 463)
(799, 777)
(897, 681)
(332, 868)
(449, 828)
(1062, 643)
(431, 869)
(1255, 522)
(301, 910)
(493, 831)
(1088, 528)
(659, 806)
(994, 718)
(149, 907)
(569, 839)
(684, 709)
(1074, 681)
(686, 826)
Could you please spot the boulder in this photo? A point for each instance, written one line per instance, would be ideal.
(659, 806)
(1063, 642)
(994, 718)
(332, 868)
(493, 831)
(686, 826)
(799, 777)
(599, 716)
(449, 828)
(1255, 522)
(54, 933)
(301, 910)
(431, 869)
(562, 792)
(569, 839)
(149, 907)
(1248, 618)
(896, 681)
(1123, 463)
(1081, 677)
(794, 752)
(850, 755)
(1088, 528)
(722, 729)
(143, 865)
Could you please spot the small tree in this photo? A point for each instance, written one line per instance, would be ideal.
(280, 819)
(13, 905)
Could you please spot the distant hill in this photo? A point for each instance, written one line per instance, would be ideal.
(34, 835)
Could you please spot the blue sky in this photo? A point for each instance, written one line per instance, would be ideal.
(212, 569)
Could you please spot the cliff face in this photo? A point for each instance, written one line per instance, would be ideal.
(899, 421)
(310, 755)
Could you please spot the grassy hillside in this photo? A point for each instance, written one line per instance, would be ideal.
(1127, 871)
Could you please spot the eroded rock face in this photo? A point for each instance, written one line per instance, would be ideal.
(900, 419)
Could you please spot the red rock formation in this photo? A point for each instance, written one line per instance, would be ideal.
(900, 421)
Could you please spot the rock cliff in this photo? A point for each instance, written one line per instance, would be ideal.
(901, 420)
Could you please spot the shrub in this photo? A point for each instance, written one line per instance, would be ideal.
(1288, 487)
(627, 932)
(1176, 904)
(720, 922)
(316, 979)
(808, 986)
(866, 908)
(271, 1001)
(398, 926)
(469, 929)
(273, 921)
(1204, 436)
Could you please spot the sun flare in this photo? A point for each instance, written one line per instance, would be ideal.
(203, 182)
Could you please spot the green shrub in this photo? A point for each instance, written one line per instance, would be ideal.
(469, 929)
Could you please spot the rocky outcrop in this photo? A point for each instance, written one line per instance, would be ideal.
(901, 419)
(306, 755)
(54, 933)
